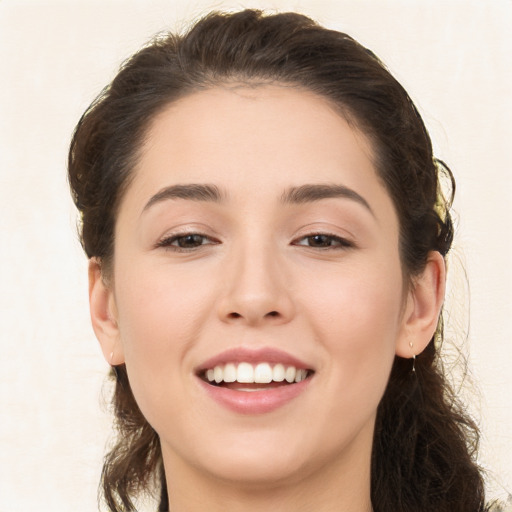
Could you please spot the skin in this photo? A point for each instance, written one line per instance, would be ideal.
(257, 280)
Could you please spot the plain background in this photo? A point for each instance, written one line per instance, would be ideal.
(453, 57)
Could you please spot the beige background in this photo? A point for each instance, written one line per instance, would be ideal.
(452, 56)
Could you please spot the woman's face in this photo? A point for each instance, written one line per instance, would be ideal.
(257, 238)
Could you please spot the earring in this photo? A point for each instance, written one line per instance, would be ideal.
(411, 344)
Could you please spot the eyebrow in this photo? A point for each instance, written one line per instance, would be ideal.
(316, 192)
(294, 195)
(192, 192)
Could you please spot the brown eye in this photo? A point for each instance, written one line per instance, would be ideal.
(189, 241)
(185, 242)
(323, 241)
(320, 241)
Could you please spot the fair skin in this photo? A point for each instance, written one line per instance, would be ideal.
(316, 277)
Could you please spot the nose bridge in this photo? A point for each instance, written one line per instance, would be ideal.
(256, 289)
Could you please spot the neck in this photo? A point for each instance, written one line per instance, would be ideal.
(298, 499)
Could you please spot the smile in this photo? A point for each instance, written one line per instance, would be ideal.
(254, 381)
(261, 373)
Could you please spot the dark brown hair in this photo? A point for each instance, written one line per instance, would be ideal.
(424, 444)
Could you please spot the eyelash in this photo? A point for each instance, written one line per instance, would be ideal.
(339, 242)
(336, 242)
(171, 242)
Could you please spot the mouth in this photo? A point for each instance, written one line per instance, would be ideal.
(246, 376)
(253, 381)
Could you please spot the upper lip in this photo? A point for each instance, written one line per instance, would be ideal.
(253, 355)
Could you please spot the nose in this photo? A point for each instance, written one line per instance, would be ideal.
(256, 290)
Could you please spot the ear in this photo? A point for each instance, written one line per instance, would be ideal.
(104, 314)
(422, 308)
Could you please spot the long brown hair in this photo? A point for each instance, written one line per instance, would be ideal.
(424, 444)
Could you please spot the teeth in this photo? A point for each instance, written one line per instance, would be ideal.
(262, 373)
(245, 373)
(300, 375)
(278, 373)
(218, 374)
(290, 374)
(230, 373)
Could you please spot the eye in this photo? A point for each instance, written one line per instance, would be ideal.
(323, 241)
(185, 241)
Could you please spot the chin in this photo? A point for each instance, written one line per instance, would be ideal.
(248, 458)
(252, 470)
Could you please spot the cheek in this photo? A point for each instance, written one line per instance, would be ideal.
(356, 316)
(158, 310)
(160, 318)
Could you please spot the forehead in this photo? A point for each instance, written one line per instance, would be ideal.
(253, 141)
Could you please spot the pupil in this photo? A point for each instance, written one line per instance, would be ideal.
(190, 241)
(319, 240)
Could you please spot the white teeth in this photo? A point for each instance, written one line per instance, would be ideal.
(278, 373)
(300, 375)
(245, 373)
(262, 373)
(230, 373)
(218, 374)
(290, 374)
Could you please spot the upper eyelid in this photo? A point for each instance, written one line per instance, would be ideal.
(185, 233)
(343, 238)
(167, 240)
(343, 242)
(192, 230)
(327, 228)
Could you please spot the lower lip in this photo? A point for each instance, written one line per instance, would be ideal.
(255, 402)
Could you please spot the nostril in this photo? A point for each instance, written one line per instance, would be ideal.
(252, 317)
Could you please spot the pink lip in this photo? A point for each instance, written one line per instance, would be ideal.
(253, 402)
(253, 355)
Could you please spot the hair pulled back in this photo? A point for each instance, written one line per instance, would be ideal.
(424, 443)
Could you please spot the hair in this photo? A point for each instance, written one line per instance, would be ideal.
(425, 444)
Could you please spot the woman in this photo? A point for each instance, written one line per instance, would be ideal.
(267, 232)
